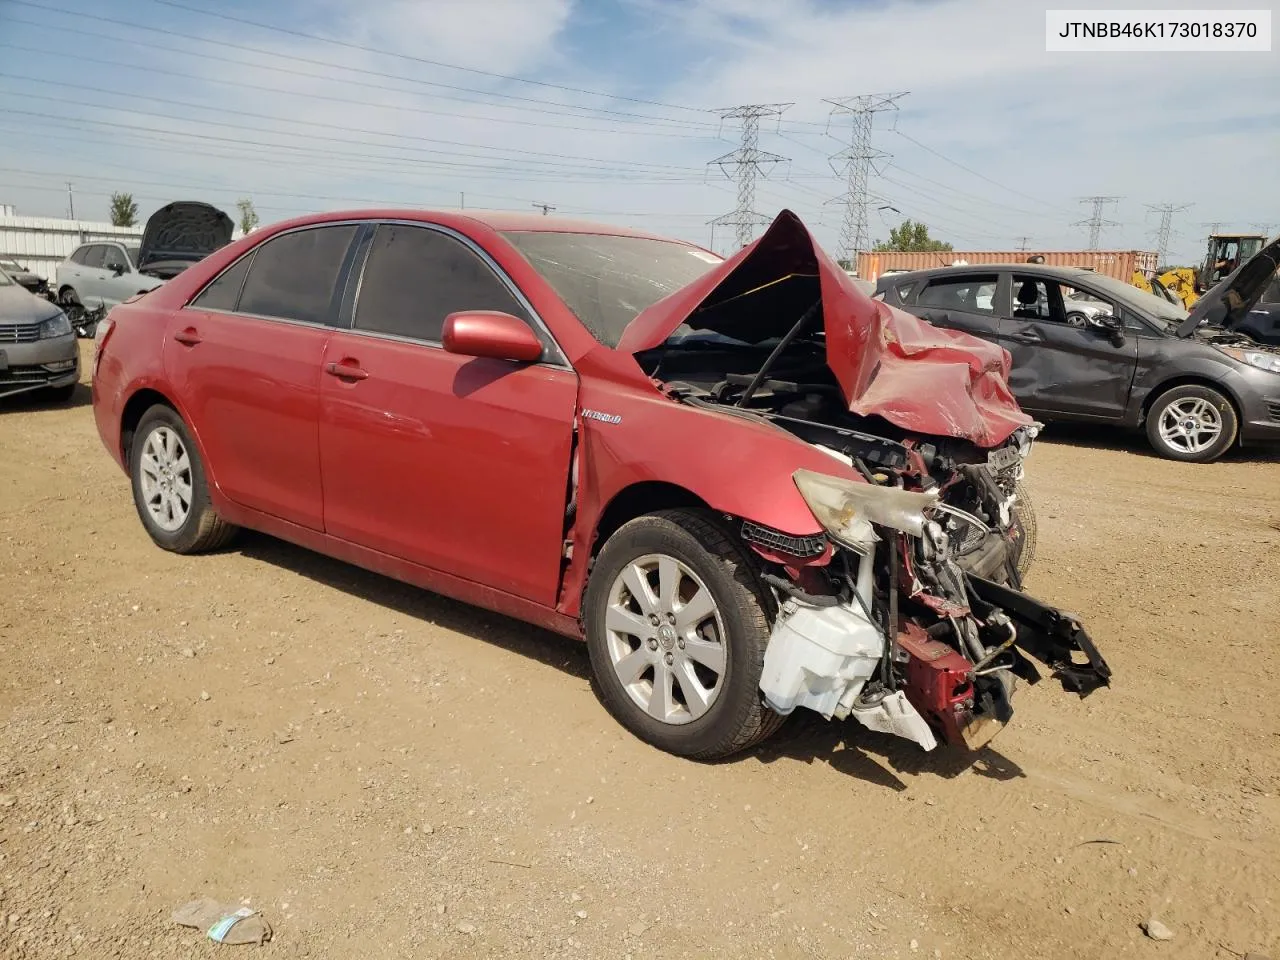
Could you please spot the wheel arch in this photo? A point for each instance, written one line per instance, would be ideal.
(638, 499)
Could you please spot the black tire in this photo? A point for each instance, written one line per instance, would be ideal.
(1024, 516)
(202, 529)
(61, 394)
(738, 717)
(1230, 423)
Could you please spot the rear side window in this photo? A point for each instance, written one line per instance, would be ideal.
(93, 255)
(415, 277)
(293, 276)
(967, 294)
(223, 293)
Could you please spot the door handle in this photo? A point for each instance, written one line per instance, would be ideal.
(346, 371)
(1026, 337)
(188, 337)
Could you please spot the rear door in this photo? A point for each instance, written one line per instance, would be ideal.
(1059, 368)
(966, 302)
(245, 357)
(456, 463)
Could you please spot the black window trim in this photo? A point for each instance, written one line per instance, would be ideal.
(555, 357)
(343, 273)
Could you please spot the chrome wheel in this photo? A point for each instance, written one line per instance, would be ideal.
(1190, 425)
(665, 638)
(165, 478)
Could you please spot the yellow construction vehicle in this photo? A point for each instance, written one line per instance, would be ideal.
(1184, 285)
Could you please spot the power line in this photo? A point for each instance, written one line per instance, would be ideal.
(856, 161)
(426, 111)
(330, 65)
(434, 63)
(1095, 222)
(747, 163)
(1166, 211)
(312, 123)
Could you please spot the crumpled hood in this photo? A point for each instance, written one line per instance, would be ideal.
(183, 231)
(888, 363)
(1230, 301)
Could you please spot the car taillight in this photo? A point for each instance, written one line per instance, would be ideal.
(100, 336)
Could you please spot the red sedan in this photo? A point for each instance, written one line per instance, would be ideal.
(747, 485)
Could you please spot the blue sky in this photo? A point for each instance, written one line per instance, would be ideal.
(602, 109)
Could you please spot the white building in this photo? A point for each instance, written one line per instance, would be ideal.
(38, 243)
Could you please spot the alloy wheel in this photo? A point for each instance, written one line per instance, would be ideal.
(165, 478)
(665, 638)
(1190, 425)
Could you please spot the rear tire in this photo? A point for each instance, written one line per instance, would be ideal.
(170, 491)
(715, 659)
(1193, 423)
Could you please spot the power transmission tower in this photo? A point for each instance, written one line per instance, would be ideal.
(1166, 211)
(855, 164)
(1023, 242)
(745, 165)
(544, 207)
(1095, 223)
(1213, 225)
(1263, 227)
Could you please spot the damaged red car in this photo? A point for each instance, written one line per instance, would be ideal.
(748, 486)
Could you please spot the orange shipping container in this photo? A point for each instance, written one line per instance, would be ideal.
(1120, 264)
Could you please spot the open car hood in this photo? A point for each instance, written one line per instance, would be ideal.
(183, 232)
(1230, 301)
(888, 363)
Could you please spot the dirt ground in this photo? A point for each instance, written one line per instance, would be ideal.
(387, 773)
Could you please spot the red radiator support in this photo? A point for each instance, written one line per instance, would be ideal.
(938, 686)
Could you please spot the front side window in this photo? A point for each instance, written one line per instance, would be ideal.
(294, 275)
(415, 277)
(113, 258)
(966, 294)
(93, 256)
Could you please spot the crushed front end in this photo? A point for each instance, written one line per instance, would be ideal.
(888, 626)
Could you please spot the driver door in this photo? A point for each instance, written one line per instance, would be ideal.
(456, 463)
(1083, 372)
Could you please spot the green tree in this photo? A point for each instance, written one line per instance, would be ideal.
(911, 237)
(124, 212)
(248, 215)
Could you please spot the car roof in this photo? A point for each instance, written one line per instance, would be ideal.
(502, 221)
(1040, 269)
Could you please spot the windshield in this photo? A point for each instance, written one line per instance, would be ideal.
(133, 254)
(10, 266)
(607, 280)
(1148, 304)
(4, 277)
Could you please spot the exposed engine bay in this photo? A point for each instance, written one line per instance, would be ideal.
(908, 615)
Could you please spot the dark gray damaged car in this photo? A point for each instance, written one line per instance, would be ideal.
(1193, 381)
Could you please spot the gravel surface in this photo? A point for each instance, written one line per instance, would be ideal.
(384, 772)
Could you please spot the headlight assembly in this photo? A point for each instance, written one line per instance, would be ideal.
(1261, 359)
(847, 509)
(56, 326)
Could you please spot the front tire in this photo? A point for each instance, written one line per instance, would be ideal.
(1192, 423)
(170, 491)
(677, 624)
(1024, 515)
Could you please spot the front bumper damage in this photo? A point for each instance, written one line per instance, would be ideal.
(833, 658)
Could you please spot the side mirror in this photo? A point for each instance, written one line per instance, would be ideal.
(492, 334)
(117, 269)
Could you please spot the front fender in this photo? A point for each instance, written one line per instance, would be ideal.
(631, 434)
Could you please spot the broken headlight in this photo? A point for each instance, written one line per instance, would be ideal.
(847, 508)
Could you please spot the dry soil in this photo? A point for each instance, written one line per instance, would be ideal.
(386, 773)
